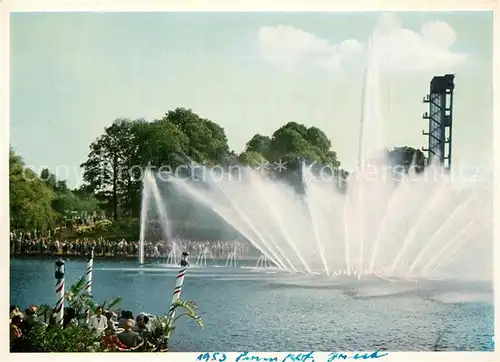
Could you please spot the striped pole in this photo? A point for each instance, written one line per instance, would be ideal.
(88, 272)
(178, 284)
(88, 277)
(59, 275)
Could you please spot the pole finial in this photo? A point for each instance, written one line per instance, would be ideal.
(184, 262)
(59, 269)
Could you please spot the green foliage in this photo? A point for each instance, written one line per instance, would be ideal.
(103, 225)
(123, 228)
(163, 326)
(55, 339)
(65, 201)
(118, 159)
(261, 145)
(207, 141)
(252, 158)
(30, 199)
(79, 338)
(407, 157)
(40, 202)
(77, 298)
(296, 141)
(293, 144)
(109, 161)
(159, 142)
(47, 337)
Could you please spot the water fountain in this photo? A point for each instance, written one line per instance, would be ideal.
(201, 260)
(262, 262)
(415, 225)
(174, 256)
(151, 196)
(231, 259)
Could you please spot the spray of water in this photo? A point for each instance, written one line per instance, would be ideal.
(404, 227)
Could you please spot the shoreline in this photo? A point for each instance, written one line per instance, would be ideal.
(54, 256)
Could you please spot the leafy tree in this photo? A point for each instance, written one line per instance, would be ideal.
(49, 178)
(252, 158)
(118, 159)
(30, 198)
(108, 160)
(207, 141)
(407, 157)
(65, 201)
(160, 144)
(292, 144)
(260, 144)
(295, 141)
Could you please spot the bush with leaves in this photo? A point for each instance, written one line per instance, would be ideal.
(163, 326)
(42, 338)
(77, 298)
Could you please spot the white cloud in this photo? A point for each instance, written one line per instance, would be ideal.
(289, 47)
(407, 50)
(397, 48)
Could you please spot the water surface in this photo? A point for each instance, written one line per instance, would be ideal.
(268, 310)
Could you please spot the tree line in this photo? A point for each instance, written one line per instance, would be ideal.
(116, 159)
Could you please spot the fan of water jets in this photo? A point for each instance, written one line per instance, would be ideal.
(427, 225)
(416, 227)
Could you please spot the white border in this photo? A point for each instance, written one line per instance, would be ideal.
(224, 5)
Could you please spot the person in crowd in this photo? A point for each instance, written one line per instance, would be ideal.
(111, 323)
(141, 327)
(123, 319)
(128, 337)
(98, 321)
(31, 318)
(146, 323)
(16, 327)
(16, 332)
(53, 318)
(69, 317)
(111, 341)
(14, 310)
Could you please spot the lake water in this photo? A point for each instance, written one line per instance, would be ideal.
(245, 309)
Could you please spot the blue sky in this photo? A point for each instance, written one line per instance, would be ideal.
(72, 74)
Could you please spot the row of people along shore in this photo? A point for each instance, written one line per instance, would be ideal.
(217, 249)
(122, 332)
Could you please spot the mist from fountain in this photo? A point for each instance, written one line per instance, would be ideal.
(387, 224)
(151, 196)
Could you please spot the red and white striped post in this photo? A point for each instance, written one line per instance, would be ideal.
(88, 272)
(59, 275)
(88, 276)
(178, 284)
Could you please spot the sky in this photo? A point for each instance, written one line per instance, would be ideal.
(73, 74)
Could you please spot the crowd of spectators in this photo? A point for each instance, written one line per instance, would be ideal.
(116, 333)
(31, 244)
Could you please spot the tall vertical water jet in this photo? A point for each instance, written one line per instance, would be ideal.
(160, 204)
(143, 221)
(370, 147)
(370, 141)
